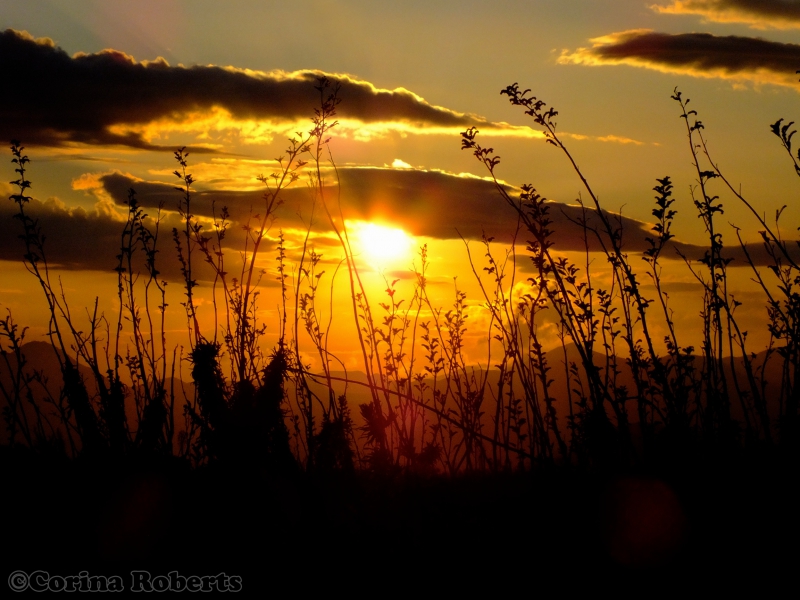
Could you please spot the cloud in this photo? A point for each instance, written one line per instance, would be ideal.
(75, 239)
(758, 14)
(110, 98)
(604, 138)
(696, 54)
(424, 203)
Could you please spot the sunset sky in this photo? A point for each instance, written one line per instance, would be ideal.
(102, 93)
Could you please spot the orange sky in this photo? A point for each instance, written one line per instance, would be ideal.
(104, 93)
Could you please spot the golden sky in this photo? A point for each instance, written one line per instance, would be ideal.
(102, 93)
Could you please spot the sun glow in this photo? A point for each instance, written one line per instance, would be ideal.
(380, 245)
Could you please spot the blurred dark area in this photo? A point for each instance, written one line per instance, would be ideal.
(718, 522)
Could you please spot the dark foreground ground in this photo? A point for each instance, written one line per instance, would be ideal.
(712, 523)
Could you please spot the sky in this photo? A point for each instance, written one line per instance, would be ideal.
(102, 93)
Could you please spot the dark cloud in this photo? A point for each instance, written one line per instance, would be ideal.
(775, 13)
(79, 239)
(430, 204)
(698, 54)
(424, 203)
(75, 239)
(52, 98)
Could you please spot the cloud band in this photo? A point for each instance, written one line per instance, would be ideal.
(99, 99)
(696, 54)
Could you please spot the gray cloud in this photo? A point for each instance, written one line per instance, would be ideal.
(76, 239)
(424, 203)
(432, 204)
(52, 98)
(697, 54)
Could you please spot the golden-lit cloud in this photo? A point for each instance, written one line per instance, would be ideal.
(234, 174)
(741, 59)
(758, 14)
(218, 128)
(617, 139)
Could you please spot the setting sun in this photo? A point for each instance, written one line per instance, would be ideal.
(381, 245)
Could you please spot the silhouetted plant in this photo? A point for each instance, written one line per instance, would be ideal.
(620, 396)
(76, 400)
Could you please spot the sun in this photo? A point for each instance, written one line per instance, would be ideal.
(381, 245)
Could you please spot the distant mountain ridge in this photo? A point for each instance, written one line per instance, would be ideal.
(43, 370)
